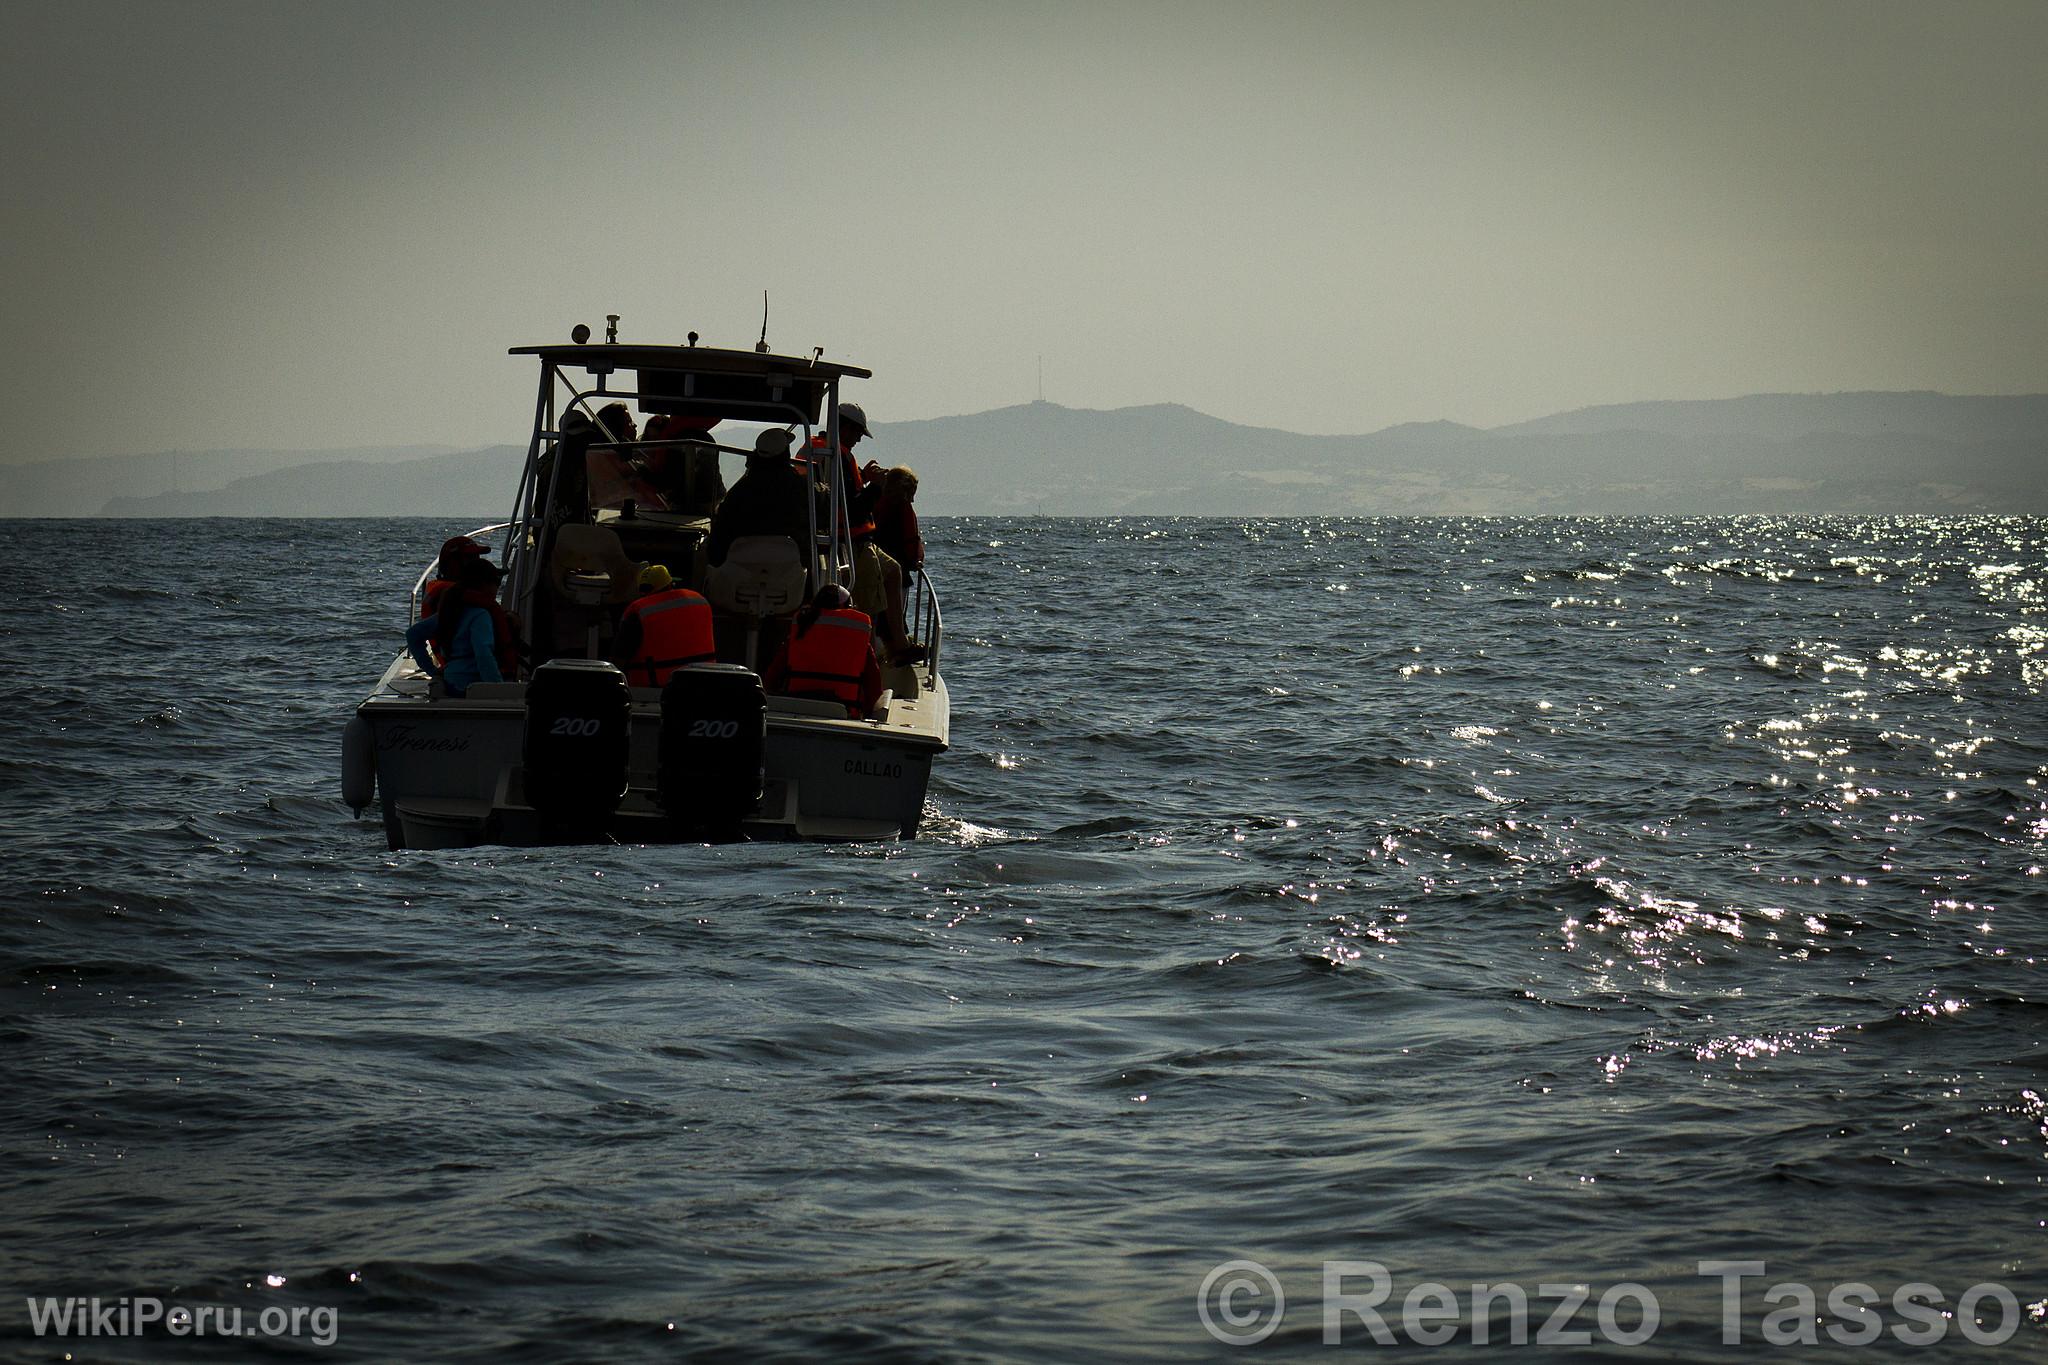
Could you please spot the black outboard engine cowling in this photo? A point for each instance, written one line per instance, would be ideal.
(714, 727)
(578, 718)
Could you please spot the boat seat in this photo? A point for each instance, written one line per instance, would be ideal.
(582, 549)
(762, 576)
(589, 577)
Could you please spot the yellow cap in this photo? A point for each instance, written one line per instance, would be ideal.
(655, 578)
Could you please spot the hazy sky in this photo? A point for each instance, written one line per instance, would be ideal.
(303, 226)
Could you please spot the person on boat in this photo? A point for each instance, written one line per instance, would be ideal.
(896, 529)
(877, 577)
(472, 635)
(683, 468)
(570, 500)
(767, 500)
(561, 478)
(457, 552)
(860, 494)
(616, 422)
(662, 629)
(829, 655)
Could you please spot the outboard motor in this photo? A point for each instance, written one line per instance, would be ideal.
(578, 718)
(714, 726)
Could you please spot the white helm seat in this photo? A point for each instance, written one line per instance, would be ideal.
(762, 576)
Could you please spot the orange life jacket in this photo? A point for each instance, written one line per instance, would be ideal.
(850, 476)
(830, 657)
(675, 629)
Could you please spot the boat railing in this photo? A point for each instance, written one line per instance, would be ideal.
(419, 586)
(928, 622)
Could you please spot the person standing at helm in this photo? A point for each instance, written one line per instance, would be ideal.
(661, 630)
(829, 655)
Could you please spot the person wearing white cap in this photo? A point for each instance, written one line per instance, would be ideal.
(767, 500)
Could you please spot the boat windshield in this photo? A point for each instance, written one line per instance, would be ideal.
(619, 476)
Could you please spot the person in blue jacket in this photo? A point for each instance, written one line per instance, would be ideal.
(464, 631)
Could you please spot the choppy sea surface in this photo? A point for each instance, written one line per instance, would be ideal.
(1540, 902)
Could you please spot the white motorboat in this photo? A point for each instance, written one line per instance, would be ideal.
(570, 751)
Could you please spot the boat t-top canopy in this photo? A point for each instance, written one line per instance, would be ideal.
(704, 380)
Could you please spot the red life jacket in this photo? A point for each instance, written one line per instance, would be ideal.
(829, 658)
(675, 629)
(504, 639)
(430, 604)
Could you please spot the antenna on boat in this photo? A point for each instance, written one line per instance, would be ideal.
(761, 346)
(611, 329)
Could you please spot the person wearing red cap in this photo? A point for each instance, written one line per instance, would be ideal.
(457, 554)
(472, 639)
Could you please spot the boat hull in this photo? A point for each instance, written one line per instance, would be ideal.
(449, 772)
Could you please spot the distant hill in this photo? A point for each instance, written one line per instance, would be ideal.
(1868, 453)
(473, 483)
(1872, 453)
(80, 487)
(1784, 416)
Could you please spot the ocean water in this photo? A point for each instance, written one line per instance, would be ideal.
(1527, 902)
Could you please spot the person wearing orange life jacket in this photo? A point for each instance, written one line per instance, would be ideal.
(829, 655)
(661, 630)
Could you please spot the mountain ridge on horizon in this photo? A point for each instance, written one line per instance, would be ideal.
(1867, 450)
(1596, 416)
